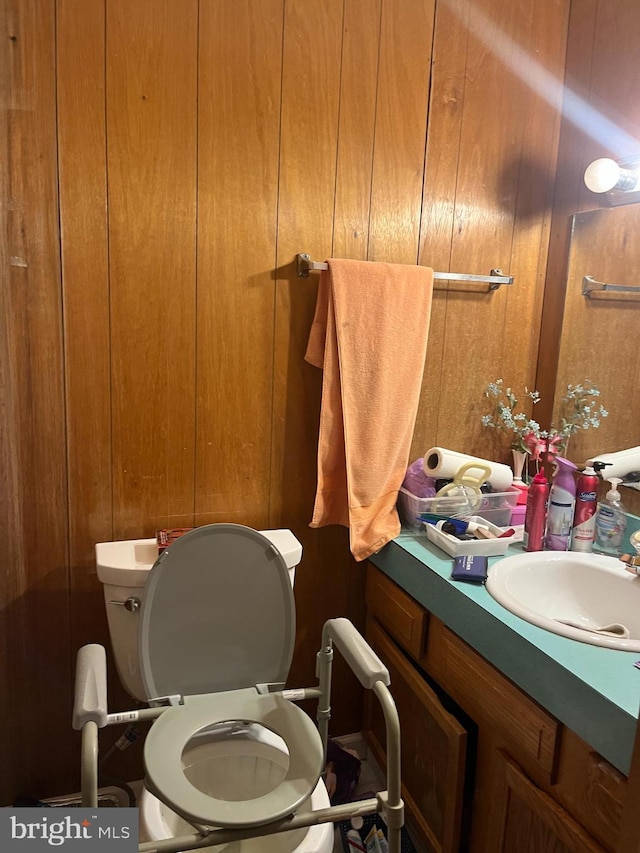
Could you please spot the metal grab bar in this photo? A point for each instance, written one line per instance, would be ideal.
(496, 278)
(590, 285)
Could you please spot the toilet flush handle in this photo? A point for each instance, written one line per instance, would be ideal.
(132, 604)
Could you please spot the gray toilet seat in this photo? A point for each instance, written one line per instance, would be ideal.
(174, 729)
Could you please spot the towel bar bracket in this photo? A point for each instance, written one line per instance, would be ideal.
(305, 265)
(496, 278)
(500, 279)
(590, 285)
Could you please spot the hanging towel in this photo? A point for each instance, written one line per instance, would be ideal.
(369, 336)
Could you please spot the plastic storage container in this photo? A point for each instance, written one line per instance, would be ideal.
(470, 547)
(496, 508)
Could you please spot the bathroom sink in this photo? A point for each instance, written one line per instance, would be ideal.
(586, 597)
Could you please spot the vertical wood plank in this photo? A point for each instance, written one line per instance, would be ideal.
(400, 130)
(151, 149)
(489, 150)
(358, 90)
(10, 503)
(309, 110)
(238, 128)
(536, 170)
(446, 109)
(85, 285)
(34, 606)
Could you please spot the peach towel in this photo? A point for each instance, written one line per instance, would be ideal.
(369, 336)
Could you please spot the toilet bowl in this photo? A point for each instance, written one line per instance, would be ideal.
(207, 624)
(242, 761)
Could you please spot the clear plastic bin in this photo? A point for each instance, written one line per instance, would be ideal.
(496, 507)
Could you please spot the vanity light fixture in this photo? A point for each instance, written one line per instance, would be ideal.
(619, 179)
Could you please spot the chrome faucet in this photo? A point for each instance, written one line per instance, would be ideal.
(632, 561)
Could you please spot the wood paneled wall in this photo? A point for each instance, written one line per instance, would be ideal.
(162, 165)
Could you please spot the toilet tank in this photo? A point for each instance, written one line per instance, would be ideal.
(123, 568)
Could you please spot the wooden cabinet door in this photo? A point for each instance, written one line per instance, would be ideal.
(528, 820)
(434, 747)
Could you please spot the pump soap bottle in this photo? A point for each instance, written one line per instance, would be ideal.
(562, 500)
(611, 522)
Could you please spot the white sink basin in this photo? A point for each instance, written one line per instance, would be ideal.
(550, 588)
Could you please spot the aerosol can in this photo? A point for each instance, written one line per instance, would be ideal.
(562, 501)
(536, 514)
(583, 532)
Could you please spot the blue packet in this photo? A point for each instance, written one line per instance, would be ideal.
(470, 569)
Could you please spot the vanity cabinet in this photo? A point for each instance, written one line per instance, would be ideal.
(484, 767)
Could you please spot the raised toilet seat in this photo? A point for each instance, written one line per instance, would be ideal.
(205, 636)
(172, 732)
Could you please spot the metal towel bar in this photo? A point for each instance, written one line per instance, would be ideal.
(305, 265)
(590, 285)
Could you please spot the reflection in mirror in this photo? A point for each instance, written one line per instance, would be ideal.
(601, 331)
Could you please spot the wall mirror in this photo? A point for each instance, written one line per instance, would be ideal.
(601, 329)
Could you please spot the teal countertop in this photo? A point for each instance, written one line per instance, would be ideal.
(592, 690)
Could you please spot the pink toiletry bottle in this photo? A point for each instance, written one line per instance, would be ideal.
(536, 515)
(583, 532)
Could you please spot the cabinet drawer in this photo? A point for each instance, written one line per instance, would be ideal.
(403, 617)
(491, 698)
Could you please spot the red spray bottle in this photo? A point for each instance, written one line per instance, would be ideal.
(583, 532)
(536, 514)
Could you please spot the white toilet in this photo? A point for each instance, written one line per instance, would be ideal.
(212, 623)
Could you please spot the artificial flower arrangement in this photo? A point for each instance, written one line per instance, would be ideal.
(580, 411)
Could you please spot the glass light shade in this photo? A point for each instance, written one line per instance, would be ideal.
(605, 174)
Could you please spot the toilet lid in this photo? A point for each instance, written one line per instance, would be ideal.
(218, 614)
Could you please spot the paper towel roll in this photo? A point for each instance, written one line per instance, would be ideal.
(443, 463)
(623, 462)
